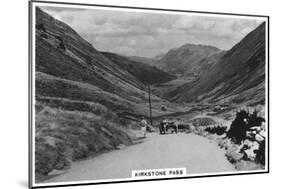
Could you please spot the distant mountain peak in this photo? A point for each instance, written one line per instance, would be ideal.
(189, 59)
(190, 45)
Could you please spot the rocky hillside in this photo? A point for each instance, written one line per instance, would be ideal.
(238, 77)
(189, 59)
(69, 67)
(143, 72)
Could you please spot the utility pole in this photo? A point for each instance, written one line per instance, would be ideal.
(201, 108)
(149, 101)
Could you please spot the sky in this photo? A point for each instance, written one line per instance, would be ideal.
(147, 34)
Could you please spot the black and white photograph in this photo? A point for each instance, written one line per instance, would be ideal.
(123, 94)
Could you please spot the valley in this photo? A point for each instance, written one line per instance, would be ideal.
(89, 104)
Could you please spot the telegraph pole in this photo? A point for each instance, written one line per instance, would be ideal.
(201, 108)
(149, 101)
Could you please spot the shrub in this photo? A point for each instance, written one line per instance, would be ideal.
(242, 123)
(219, 130)
(254, 120)
(205, 121)
(238, 127)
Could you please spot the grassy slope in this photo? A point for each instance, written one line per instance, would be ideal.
(145, 73)
(65, 136)
(79, 61)
(51, 86)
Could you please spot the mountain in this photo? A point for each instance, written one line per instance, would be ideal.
(143, 72)
(69, 69)
(238, 77)
(189, 59)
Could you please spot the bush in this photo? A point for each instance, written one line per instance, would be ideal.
(238, 127)
(242, 123)
(219, 130)
(205, 121)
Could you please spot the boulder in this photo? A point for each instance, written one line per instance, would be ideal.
(259, 138)
(56, 172)
(120, 146)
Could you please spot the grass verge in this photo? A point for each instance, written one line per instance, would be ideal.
(64, 136)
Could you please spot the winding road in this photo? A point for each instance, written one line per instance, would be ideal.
(189, 151)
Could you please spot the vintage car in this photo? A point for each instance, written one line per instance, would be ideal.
(165, 125)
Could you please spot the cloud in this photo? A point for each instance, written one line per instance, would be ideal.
(150, 33)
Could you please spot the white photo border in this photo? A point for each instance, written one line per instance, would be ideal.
(31, 91)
